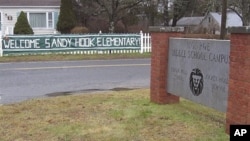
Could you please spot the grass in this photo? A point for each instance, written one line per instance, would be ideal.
(109, 116)
(61, 57)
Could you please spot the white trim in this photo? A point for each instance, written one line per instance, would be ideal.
(29, 6)
(52, 20)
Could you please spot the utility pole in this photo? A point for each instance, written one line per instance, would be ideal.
(223, 20)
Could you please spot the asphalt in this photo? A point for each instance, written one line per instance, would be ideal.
(28, 80)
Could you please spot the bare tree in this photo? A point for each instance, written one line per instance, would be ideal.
(242, 9)
(166, 13)
(85, 9)
(150, 11)
(115, 9)
(131, 18)
(211, 6)
(180, 9)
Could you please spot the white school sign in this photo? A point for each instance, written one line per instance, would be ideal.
(198, 70)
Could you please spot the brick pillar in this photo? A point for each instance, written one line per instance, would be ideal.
(238, 110)
(159, 64)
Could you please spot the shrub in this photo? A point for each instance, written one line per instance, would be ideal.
(79, 30)
(67, 17)
(22, 25)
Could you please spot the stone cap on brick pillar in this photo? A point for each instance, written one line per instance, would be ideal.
(165, 29)
(240, 29)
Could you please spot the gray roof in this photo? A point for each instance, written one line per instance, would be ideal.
(188, 21)
(232, 18)
(9, 3)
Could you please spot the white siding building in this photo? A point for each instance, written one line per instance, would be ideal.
(41, 14)
(212, 21)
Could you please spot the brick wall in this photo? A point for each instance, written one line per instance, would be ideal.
(238, 110)
(159, 64)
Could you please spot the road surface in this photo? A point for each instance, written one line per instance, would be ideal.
(27, 80)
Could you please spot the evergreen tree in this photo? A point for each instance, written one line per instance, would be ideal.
(67, 18)
(22, 25)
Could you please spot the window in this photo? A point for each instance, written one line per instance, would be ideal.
(37, 19)
(40, 20)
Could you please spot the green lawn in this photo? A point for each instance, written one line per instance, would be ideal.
(109, 116)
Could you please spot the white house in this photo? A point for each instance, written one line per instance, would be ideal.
(212, 21)
(41, 14)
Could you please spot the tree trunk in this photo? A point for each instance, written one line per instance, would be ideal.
(223, 19)
(166, 14)
(152, 20)
(174, 22)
